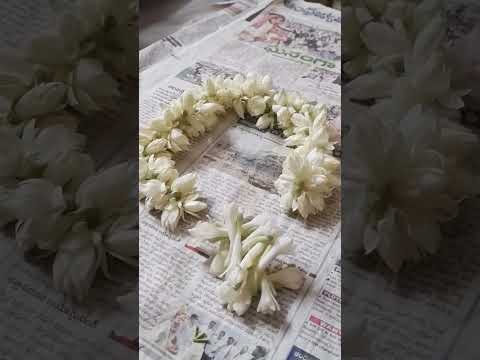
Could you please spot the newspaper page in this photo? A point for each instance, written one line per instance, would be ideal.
(239, 163)
(197, 30)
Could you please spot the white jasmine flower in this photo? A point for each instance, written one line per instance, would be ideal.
(110, 191)
(161, 168)
(284, 116)
(406, 183)
(77, 262)
(207, 113)
(40, 100)
(312, 126)
(155, 193)
(249, 87)
(44, 231)
(46, 145)
(122, 243)
(257, 105)
(183, 199)
(306, 181)
(160, 127)
(239, 107)
(45, 195)
(209, 87)
(266, 84)
(92, 88)
(145, 136)
(156, 146)
(177, 141)
(265, 121)
(280, 98)
(69, 170)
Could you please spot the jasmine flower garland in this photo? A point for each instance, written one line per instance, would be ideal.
(244, 252)
(303, 124)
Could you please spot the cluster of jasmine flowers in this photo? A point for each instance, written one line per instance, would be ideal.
(70, 66)
(310, 171)
(52, 199)
(243, 256)
(410, 162)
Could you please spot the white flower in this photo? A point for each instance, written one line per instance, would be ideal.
(306, 181)
(402, 183)
(207, 113)
(266, 84)
(265, 121)
(244, 251)
(205, 231)
(253, 224)
(76, 262)
(252, 255)
(217, 266)
(282, 246)
(69, 170)
(284, 116)
(42, 99)
(265, 233)
(92, 88)
(267, 304)
(155, 193)
(122, 243)
(311, 127)
(145, 136)
(161, 168)
(183, 199)
(110, 191)
(47, 197)
(239, 108)
(45, 231)
(177, 141)
(156, 146)
(257, 105)
(233, 223)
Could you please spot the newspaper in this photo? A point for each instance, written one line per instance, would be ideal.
(196, 30)
(238, 163)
